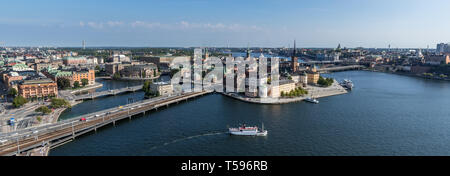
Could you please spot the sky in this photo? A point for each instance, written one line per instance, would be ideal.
(222, 23)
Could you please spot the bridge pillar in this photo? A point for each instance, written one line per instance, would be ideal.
(114, 123)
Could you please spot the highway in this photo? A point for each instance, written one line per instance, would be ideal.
(27, 139)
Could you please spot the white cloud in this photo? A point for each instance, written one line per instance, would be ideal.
(183, 25)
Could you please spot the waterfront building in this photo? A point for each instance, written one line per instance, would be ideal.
(111, 69)
(88, 74)
(283, 86)
(71, 75)
(312, 76)
(144, 71)
(437, 59)
(38, 88)
(163, 88)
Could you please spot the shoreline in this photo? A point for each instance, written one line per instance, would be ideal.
(317, 92)
(408, 74)
(95, 86)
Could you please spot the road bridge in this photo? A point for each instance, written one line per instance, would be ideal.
(55, 134)
(94, 95)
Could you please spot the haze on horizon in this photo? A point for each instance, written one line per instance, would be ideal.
(263, 23)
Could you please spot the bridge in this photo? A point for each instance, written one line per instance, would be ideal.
(56, 134)
(341, 68)
(336, 68)
(106, 93)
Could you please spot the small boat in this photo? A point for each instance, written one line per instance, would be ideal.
(248, 131)
(347, 84)
(312, 100)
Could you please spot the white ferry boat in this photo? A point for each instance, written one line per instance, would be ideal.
(248, 131)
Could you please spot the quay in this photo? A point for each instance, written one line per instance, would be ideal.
(37, 139)
(317, 92)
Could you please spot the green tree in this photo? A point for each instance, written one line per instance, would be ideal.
(63, 83)
(116, 75)
(144, 75)
(12, 92)
(76, 84)
(84, 82)
(43, 109)
(60, 103)
(146, 87)
(97, 68)
(173, 72)
(19, 101)
(325, 81)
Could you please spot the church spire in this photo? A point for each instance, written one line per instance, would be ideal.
(295, 49)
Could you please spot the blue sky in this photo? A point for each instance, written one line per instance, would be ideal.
(262, 23)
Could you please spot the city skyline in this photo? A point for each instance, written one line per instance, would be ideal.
(319, 24)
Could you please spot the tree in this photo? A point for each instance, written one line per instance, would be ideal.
(60, 103)
(84, 82)
(173, 72)
(12, 92)
(39, 118)
(43, 109)
(146, 87)
(116, 75)
(325, 81)
(97, 68)
(19, 101)
(76, 84)
(63, 83)
(144, 75)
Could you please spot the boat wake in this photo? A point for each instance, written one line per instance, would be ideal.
(185, 139)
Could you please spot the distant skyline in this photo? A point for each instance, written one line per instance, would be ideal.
(258, 23)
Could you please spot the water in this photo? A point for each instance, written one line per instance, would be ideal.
(385, 115)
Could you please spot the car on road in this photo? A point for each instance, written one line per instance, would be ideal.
(83, 119)
(97, 115)
(3, 141)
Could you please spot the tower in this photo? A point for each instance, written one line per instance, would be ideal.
(248, 51)
(294, 59)
(84, 44)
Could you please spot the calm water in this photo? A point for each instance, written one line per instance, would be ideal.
(385, 115)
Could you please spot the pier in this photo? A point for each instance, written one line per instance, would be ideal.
(56, 134)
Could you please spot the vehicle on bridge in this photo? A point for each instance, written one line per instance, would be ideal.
(83, 119)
